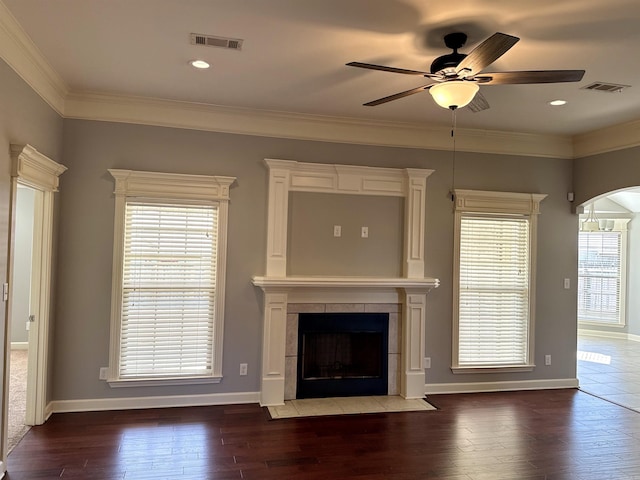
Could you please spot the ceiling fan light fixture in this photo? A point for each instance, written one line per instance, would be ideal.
(454, 94)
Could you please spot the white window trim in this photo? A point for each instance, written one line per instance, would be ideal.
(619, 225)
(185, 189)
(497, 203)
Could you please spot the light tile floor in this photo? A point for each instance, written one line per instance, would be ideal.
(310, 407)
(610, 369)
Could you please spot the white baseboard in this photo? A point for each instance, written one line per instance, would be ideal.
(478, 387)
(608, 334)
(100, 404)
(19, 345)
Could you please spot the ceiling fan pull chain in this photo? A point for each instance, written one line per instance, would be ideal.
(453, 163)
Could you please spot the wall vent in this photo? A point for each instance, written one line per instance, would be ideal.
(212, 41)
(606, 87)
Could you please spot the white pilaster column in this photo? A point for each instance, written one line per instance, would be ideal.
(273, 345)
(277, 217)
(413, 333)
(415, 206)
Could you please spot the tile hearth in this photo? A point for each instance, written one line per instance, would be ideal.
(312, 407)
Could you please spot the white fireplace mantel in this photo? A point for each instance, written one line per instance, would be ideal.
(279, 291)
(344, 282)
(289, 176)
(410, 290)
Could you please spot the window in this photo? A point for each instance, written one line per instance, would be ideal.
(494, 294)
(602, 275)
(168, 278)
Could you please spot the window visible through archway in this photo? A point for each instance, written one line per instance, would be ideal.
(602, 273)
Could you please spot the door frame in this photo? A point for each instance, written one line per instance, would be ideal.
(35, 170)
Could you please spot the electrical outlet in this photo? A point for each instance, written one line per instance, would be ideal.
(567, 283)
(427, 362)
(243, 368)
(337, 231)
(104, 373)
(547, 359)
(365, 232)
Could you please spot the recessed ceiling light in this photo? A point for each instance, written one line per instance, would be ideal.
(557, 103)
(201, 64)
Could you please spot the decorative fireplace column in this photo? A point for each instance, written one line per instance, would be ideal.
(279, 290)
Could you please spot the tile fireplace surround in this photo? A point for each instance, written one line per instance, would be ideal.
(404, 298)
(291, 353)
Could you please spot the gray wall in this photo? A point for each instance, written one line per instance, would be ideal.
(21, 282)
(600, 174)
(313, 249)
(24, 118)
(86, 230)
(604, 173)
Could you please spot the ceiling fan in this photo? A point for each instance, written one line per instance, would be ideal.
(456, 77)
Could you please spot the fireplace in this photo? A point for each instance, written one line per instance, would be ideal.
(342, 354)
(284, 294)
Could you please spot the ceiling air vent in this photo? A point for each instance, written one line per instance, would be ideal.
(606, 87)
(211, 41)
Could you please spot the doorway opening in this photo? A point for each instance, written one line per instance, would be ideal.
(34, 177)
(608, 353)
(20, 292)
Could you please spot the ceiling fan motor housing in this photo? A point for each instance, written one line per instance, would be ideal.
(454, 41)
(450, 60)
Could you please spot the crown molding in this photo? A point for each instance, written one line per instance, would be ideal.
(197, 116)
(609, 139)
(22, 55)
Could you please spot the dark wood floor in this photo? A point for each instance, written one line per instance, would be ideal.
(555, 434)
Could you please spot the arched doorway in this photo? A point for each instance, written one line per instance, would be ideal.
(608, 356)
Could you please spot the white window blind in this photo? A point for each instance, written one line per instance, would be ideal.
(168, 290)
(494, 290)
(600, 277)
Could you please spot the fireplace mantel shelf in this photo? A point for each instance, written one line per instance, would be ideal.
(344, 282)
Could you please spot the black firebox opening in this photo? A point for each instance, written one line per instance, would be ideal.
(342, 354)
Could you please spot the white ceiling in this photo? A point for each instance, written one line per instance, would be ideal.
(621, 202)
(294, 54)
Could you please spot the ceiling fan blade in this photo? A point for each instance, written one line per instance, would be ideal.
(536, 76)
(383, 68)
(379, 101)
(485, 54)
(478, 103)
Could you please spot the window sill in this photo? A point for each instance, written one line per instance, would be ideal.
(600, 324)
(493, 369)
(163, 382)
